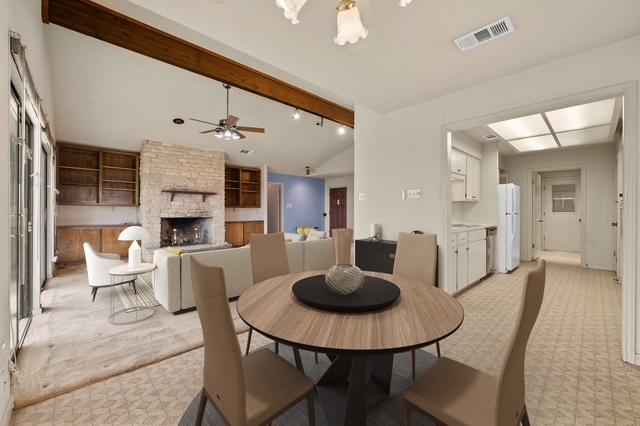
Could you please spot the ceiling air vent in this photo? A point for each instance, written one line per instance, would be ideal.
(246, 151)
(485, 34)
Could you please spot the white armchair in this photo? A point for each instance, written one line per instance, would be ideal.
(98, 265)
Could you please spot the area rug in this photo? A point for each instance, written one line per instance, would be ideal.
(385, 413)
(141, 296)
(72, 344)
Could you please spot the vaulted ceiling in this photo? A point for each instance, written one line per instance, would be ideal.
(409, 55)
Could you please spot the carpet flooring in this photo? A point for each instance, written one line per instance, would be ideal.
(72, 344)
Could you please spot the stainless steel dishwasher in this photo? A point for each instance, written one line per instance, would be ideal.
(491, 249)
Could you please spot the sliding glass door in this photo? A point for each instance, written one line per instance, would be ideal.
(22, 140)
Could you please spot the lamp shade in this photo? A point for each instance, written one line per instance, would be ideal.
(350, 28)
(133, 233)
(291, 8)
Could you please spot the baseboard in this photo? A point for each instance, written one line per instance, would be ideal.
(6, 412)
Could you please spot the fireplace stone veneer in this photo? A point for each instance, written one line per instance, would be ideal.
(166, 166)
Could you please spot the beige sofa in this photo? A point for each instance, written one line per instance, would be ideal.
(172, 282)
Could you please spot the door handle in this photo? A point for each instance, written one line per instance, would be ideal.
(614, 223)
(540, 220)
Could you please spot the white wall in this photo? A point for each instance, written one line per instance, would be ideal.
(96, 215)
(339, 182)
(600, 196)
(339, 165)
(407, 148)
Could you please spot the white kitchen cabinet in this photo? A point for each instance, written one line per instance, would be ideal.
(467, 258)
(473, 179)
(458, 162)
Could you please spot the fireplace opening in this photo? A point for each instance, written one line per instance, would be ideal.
(186, 231)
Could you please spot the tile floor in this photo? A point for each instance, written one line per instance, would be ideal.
(574, 373)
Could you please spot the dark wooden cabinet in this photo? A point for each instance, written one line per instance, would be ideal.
(239, 233)
(376, 256)
(242, 187)
(92, 176)
(103, 238)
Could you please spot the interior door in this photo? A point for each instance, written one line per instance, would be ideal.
(538, 217)
(619, 206)
(14, 216)
(562, 216)
(274, 208)
(338, 208)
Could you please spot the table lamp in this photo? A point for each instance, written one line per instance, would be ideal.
(134, 233)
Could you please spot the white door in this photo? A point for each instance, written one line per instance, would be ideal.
(452, 264)
(538, 216)
(274, 208)
(473, 179)
(463, 261)
(617, 225)
(477, 260)
(562, 216)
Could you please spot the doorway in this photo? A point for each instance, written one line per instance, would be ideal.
(337, 208)
(275, 217)
(562, 215)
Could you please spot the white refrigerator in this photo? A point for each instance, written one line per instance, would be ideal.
(508, 238)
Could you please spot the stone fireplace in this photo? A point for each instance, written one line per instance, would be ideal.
(180, 231)
(173, 167)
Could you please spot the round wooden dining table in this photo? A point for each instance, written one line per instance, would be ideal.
(360, 346)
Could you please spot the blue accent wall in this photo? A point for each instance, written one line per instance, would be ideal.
(303, 201)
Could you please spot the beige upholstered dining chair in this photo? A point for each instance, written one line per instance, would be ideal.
(456, 394)
(342, 241)
(417, 259)
(268, 259)
(245, 391)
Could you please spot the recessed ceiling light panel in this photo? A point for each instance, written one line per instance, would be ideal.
(523, 127)
(585, 136)
(581, 116)
(537, 143)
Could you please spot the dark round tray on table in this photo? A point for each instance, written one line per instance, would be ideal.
(375, 294)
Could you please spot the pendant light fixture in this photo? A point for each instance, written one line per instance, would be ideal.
(350, 28)
(291, 8)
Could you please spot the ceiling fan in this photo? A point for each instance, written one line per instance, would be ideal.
(227, 128)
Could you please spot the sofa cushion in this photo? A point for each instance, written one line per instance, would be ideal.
(295, 255)
(318, 255)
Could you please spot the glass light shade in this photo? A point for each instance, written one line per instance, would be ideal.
(133, 233)
(291, 9)
(350, 28)
(404, 3)
(585, 136)
(581, 116)
(537, 143)
(523, 127)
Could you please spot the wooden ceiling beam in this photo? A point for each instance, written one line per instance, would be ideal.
(95, 20)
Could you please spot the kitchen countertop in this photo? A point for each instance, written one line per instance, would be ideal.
(470, 227)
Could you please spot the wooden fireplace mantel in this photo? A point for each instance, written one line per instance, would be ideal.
(204, 194)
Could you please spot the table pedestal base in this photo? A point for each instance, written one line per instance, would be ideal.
(351, 384)
(130, 316)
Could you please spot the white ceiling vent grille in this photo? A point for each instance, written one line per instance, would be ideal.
(247, 151)
(485, 34)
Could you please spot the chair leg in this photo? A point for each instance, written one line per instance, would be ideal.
(277, 348)
(406, 412)
(135, 290)
(249, 341)
(94, 291)
(311, 409)
(438, 349)
(316, 356)
(413, 365)
(525, 417)
(201, 407)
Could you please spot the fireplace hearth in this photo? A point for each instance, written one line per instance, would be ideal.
(186, 231)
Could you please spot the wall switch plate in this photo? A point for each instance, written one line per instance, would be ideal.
(414, 193)
(362, 196)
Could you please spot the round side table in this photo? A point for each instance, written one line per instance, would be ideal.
(134, 313)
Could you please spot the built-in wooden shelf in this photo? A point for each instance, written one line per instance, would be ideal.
(242, 187)
(97, 176)
(204, 194)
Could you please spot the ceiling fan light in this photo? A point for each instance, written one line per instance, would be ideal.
(227, 133)
(350, 28)
(235, 136)
(404, 3)
(291, 9)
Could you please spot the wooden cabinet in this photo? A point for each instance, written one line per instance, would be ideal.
(94, 176)
(467, 258)
(238, 233)
(242, 187)
(104, 239)
(458, 162)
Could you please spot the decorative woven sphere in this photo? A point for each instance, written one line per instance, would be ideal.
(344, 279)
